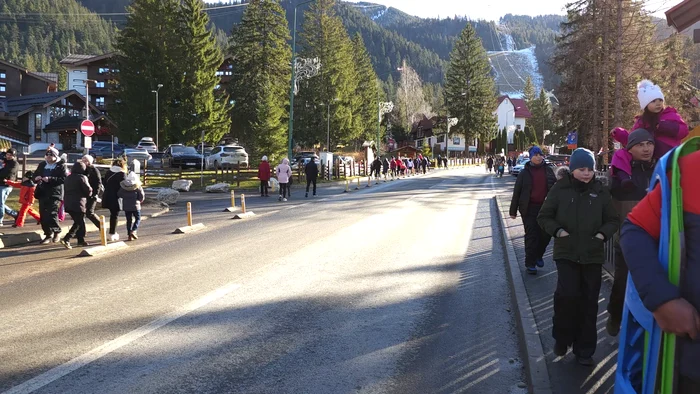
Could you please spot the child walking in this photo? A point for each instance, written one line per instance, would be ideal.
(662, 121)
(132, 195)
(26, 198)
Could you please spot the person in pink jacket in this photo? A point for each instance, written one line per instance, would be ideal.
(664, 123)
(284, 173)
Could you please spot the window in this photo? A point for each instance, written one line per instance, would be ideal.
(217, 87)
(441, 139)
(219, 73)
(456, 141)
(229, 73)
(102, 70)
(3, 87)
(99, 84)
(100, 101)
(38, 126)
(3, 74)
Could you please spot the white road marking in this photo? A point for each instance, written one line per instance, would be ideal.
(64, 369)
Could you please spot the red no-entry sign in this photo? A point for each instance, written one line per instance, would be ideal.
(87, 128)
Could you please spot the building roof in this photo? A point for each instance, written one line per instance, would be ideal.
(80, 60)
(53, 77)
(46, 77)
(17, 106)
(521, 110)
(9, 134)
(684, 14)
(64, 123)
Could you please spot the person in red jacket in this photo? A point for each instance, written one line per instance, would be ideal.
(26, 198)
(264, 176)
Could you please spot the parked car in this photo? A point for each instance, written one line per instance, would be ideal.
(147, 144)
(106, 150)
(206, 150)
(182, 156)
(303, 162)
(559, 160)
(141, 155)
(227, 155)
(521, 164)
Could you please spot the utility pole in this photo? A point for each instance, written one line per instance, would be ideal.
(606, 85)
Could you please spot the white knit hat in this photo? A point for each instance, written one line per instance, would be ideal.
(648, 92)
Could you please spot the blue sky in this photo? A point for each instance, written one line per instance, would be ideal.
(493, 10)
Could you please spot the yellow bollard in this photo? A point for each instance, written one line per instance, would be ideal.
(233, 198)
(242, 203)
(189, 214)
(103, 231)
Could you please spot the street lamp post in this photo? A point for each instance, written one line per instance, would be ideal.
(312, 70)
(450, 122)
(160, 85)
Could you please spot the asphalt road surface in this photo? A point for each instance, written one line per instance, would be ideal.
(399, 288)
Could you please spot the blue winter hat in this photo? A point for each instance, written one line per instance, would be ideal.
(535, 150)
(582, 158)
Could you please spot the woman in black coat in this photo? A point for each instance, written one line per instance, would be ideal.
(77, 191)
(110, 199)
(50, 176)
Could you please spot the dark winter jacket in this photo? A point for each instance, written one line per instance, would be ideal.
(582, 210)
(385, 166)
(626, 194)
(53, 188)
(311, 169)
(132, 195)
(9, 171)
(639, 240)
(95, 180)
(113, 178)
(77, 189)
(523, 189)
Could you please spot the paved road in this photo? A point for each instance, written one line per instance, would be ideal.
(398, 288)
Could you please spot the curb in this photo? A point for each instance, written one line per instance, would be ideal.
(100, 250)
(531, 344)
(10, 240)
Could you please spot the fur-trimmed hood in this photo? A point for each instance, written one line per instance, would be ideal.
(564, 171)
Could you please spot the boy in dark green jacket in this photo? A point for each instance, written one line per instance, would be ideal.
(579, 213)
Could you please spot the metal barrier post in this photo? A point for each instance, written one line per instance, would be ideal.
(189, 214)
(103, 231)
(233, 198)
(243, 203)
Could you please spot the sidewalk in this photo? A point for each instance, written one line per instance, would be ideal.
(565, 375)
(31, 232)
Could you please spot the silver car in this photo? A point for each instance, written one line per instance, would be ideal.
(141, 155)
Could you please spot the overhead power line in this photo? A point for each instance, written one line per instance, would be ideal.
(25, 14)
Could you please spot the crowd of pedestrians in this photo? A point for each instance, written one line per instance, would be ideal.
(75, 192)
(582, 212)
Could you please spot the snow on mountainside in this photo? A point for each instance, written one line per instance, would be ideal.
(512, 66)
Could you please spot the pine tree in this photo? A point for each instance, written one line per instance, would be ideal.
(677, 76)
(541, 119)
(260, 82)
(367, 92)
(324, 36)
(146, 46)
(469, 87)
(529, 92)
(200, 107)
